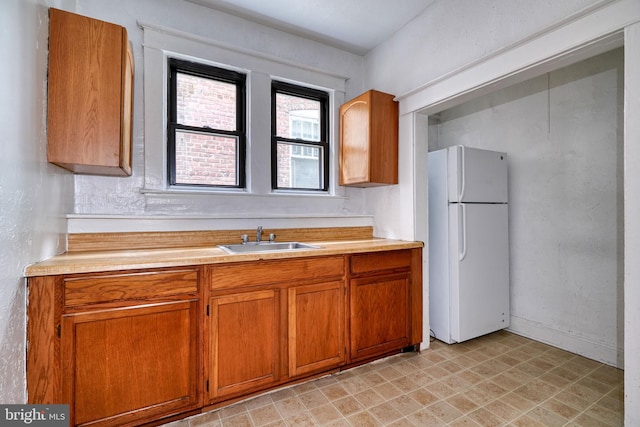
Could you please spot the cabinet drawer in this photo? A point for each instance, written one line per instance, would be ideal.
(267, 272)
(130, 286)
(379, 261)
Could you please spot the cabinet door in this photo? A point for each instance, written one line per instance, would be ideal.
(380, 315)
(245, 343)
(316, 327)
(130, 365)
(354, 141)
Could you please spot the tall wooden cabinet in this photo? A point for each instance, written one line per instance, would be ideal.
(369, 140)
(90, 95)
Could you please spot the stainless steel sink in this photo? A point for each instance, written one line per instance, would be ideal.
(252, 247)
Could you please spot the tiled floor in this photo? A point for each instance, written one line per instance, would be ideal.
(497, 380)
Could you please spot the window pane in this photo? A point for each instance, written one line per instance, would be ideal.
(297, 117)
(299, 166)
(203, 102)
(206, 159)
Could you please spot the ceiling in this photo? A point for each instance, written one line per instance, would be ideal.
(353, 25)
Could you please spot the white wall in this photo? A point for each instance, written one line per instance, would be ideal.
(221, 36)
(34, 196)
(563, 132)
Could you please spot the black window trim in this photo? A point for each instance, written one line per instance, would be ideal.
(309, 93)
(215, 73)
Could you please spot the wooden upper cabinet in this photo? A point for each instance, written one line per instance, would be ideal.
(369, 140)
(90, 95)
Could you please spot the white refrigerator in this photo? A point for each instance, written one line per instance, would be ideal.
(468, 243)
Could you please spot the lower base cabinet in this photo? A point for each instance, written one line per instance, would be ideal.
(380, 317)
(124, 365)
(153, 345)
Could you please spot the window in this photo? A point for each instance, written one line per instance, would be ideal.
(206, 126)
(300, 147)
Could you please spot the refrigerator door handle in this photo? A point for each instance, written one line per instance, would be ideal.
(463, 223)
(462, 177)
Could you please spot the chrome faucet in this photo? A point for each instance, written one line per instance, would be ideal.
(259, 234)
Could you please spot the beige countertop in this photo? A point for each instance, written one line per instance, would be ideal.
(91, 262)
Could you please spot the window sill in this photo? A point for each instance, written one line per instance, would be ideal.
(233, 192)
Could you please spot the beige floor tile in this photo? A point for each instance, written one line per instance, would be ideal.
(424, 418)
(241, 420)
(373, 379)
(369, 398)
(388, 391)
(464, 422)
(485, 418)
(568, 398)
(608, 375)
(536, 391)
(233, 410)
(389, 373)
(405, 384)
(502, 410)
(565, 411)
(584, 420)
(364, 419)
(526, 421)
(546, 417)
(348, 406)
(405, 405)
(607, 416)
(313, 399)
(517, 402)
(461, 403)
(290, 407)
(456, 383)
(402, 422)
(334, 392)
(300, 420)
(264, 415)
(385, 413)
(423, 396)
(325, 414)
(444, 412)
(208, 419)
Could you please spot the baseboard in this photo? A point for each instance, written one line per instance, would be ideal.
(604, 352)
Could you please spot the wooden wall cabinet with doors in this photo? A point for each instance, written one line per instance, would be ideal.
(271, 321)
(120, 348)
(369, 140)
(90, 95)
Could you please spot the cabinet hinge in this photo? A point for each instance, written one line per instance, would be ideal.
(59, 330)
(208, 308)
(207, 385)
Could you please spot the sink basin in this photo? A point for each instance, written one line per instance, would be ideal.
(252, 247)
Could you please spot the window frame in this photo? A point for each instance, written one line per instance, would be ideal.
(280, 87)
(176, 66)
